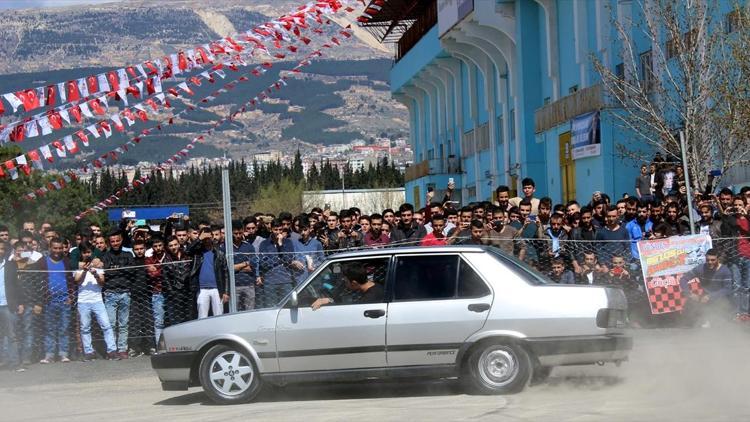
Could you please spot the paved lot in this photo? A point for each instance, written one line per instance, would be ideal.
(681, 375)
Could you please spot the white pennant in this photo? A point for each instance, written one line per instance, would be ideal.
(65, 115)
(45, 125)
(157, 84)
(92, 129)
(14, 101)
(107, 132)
(41, 93)
(124, 95)
(86, 110)
(139, 84)
(124, 79)
(63, 92)
(31, 129)
(143, 72)
(175, 64)
(21, 160)
(83, 87)
(103, 83)
(46, 153)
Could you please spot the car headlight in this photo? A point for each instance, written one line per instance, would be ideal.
(161, 347)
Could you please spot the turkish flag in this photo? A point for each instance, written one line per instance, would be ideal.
(2, 108)
(55, 120)
(150, 102)
(83, 137)
(73, 94)
(182, 61)
(75, 111)
(93, 84)
(96, 106)
(29, 98)
(50, 100)
(203, 55)
(18, 133)
(114, 80)
(134, 91)
(151, 68)
(142, 115)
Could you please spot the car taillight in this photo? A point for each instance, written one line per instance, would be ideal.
(611, 318)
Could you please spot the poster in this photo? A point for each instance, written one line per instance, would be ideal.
(663, 262)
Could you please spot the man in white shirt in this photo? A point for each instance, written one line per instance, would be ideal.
(90, 278)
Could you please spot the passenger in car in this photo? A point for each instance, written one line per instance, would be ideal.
(355, 276)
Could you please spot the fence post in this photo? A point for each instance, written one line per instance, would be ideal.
(228, 244)
(688, 192)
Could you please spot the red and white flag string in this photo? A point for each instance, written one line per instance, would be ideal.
(119, 81)
(183, 153)
(69, 144)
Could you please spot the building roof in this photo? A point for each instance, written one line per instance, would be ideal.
(387, 20)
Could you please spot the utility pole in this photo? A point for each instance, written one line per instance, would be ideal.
(688, 191)
(228, 241)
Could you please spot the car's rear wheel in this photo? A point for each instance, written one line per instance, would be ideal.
(228, 375)
(497, 368)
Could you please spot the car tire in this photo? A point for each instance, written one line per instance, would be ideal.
(497, 368)
(228, 375)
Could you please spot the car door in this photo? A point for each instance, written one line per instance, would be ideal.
(438, 301)
(341, 335)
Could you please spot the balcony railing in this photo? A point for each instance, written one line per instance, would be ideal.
(421, 26)
(450, 165)
(566, 108)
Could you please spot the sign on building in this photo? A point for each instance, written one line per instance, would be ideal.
(451, 12)
(586, 141)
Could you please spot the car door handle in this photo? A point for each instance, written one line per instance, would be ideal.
(479, 307)
(374, 313)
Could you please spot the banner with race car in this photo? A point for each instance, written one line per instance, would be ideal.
(663, 262)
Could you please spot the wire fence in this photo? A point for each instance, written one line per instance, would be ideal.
(86, 309)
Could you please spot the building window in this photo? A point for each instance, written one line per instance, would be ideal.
(512, 123)
(473, 192)
(467, 144)
(671, 48)
(547, 100)
(573, 89)
(647, 71)
(500, 134)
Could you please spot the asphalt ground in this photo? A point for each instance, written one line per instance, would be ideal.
(672, 375)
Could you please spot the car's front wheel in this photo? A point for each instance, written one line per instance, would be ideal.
(498, 368)
(228, 376)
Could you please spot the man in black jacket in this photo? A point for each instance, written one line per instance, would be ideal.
(117, 267)
(209, 275)
(10, 305)
(408, 231)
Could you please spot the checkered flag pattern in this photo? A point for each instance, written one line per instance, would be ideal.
(665, 299)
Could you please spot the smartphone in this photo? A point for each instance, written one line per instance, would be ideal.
(532, 217)
(430, 189)
(450, 181)
(25, 255)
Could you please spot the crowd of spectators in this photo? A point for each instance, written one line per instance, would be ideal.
(135, 280)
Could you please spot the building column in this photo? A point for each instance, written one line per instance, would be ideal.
(419, 99)
(434, 114)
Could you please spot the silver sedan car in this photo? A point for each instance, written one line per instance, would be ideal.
(456, 311)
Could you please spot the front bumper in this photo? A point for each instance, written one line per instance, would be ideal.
(552, 351)
(174, 369)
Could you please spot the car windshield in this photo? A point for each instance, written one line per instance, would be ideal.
(530, 274)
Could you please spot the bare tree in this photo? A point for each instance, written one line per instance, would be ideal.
(694, 79)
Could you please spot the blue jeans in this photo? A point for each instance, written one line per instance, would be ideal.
(8, 332)
(118, 309)
(25, 333)
(57, 323)
(157, 304)
(85, 310)
(741, 275)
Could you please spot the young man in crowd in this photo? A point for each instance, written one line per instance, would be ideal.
(179, 303)
(90, 279)
(309, 251)
(57, 295)
(10, 306)
(529, 187)
(376, 238)
(615, 236)
(245, 268)
(140, 322)
(500, 234)
(276, 267)
(409, 232)
(117, 283)
(709, 287)
(155, 268)
(436, 237)
(209, 275)
(559, 274)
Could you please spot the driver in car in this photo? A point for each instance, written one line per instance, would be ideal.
(355, 277)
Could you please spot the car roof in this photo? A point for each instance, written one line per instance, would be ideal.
(410, 250)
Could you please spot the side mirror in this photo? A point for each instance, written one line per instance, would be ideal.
(293, 302)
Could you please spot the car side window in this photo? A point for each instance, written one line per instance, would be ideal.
(425, 277)
(470, 284)
(331, 282)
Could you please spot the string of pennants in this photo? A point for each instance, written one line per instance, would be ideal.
(123, 81)
(370, 10)
(183, 153)
(140, 111)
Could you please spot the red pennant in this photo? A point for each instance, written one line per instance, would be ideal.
(203, 56)
(173, 92)
(93, 84)
(2, 110)
(150, 86)
(96, 106)
(114, 80)
(152, 70)
(83, 137)
(150, 102)
(196, 81)
(131, 71)
(182, 61)
(55, 120)
(29, 98)
(142, 115)
(134, 91)
(76, 113)
(50, 100)
(18, 133)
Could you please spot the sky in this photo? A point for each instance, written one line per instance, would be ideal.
(31, 4)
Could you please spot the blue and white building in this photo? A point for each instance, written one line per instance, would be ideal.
(498, 90)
